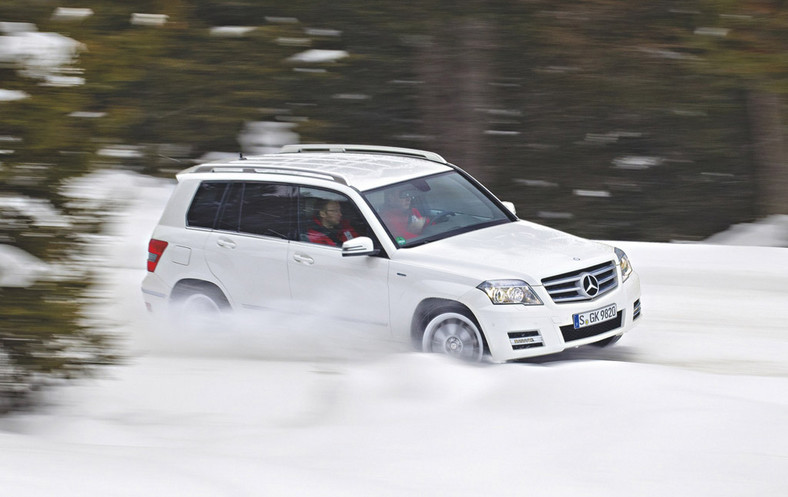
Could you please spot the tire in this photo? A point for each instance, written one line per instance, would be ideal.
(454, 333)
(199, 300)
(607, 342)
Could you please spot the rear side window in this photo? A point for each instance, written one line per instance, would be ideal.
(230, 213)
(267, 209)
(254, 208)
(205, 206)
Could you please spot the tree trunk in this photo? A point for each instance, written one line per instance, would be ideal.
(454, 67)
(771, 174)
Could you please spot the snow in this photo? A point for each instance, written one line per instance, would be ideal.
(232, 31)
(140, 19)
(693, 402)
(40, 55)
(19, 268)
(316, 55)
(770, 232)
(12, 95)
(71, 14)
(266, 137)
(41, 212)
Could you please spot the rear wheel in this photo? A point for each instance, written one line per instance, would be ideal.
(199, 303)
(199, 300)
(455, 334)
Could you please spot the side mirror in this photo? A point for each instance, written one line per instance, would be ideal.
(510, 206)
(361, 245)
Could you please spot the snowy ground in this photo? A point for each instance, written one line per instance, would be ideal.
(693, 402)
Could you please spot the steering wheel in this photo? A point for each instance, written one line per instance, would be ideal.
(443, 217)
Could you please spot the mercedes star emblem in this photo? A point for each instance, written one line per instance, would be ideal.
(589, 285)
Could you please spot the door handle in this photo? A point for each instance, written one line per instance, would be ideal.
(226, 243)
(303, 259)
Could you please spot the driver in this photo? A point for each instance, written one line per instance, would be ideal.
(401, 218)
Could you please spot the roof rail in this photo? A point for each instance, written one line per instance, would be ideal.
(367, 149)
(267, 169)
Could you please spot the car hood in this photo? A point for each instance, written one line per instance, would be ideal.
(521, 250)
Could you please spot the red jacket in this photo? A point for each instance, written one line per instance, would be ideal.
(397, 222)
(335, 237)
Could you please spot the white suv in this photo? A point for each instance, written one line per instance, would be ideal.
(402, 242)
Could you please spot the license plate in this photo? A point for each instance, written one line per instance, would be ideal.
(590, 318)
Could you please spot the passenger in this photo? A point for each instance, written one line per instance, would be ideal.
(328, 227)
(401, 218)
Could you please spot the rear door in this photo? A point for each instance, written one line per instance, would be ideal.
(247, 251)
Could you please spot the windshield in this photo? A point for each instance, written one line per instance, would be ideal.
(427, 209)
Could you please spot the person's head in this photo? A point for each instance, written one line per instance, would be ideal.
(329, 213)
(399, 198)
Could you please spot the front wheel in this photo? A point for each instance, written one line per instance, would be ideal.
(455, 335)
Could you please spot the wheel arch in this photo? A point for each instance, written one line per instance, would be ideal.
(189, 286)
(431, 307)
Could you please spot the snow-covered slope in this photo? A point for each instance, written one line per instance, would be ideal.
(693, 402)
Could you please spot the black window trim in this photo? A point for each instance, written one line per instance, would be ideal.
(294, 219)
(223, 204)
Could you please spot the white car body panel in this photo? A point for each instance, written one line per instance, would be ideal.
(261, 261)
(384, 293)
(353, 290)
(517, 250)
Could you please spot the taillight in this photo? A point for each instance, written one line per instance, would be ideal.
(155, 249)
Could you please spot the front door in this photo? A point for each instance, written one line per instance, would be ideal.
(348, 292)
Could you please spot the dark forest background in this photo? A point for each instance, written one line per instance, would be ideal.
(611, 119)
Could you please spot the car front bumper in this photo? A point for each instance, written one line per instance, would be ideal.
(518, 331)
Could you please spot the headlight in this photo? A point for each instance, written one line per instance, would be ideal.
(510, 292)
(626, 266)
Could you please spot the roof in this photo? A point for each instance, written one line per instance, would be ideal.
(362, 167)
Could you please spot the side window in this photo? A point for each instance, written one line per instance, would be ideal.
(205, 205)
(255, 208)
(231, 209)
(328, 218)
(267, 209)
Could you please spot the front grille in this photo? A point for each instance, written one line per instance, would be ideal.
(568, 287)
(570, 333)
